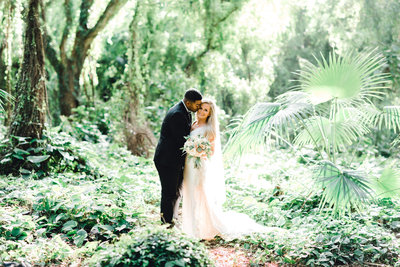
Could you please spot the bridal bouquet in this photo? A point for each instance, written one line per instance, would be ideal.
(197, 147)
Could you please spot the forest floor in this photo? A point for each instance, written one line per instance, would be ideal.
(228, 256)
(116, 189)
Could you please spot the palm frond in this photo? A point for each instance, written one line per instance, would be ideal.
(262, 120)
(293, 96)
(388, 117)
(315, 132)
(337, 133)
(344, 190)
(4, 97)
(251, 130)
(349, 126)
(351, 77)
(391, 115)
(388, 184)
(396, 142)
(289, 117)
(3, 94)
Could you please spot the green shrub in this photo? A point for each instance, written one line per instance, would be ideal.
(39, 252)
(37, 158)
(328, 242)
(156, 247)
(14, 225)
(93, 124)
(82, 213)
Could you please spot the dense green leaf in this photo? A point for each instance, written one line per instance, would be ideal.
(68, 226)
(38, 159)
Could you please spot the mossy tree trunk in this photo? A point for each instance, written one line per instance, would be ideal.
(139, 137)
(30, 107)
(69, 67)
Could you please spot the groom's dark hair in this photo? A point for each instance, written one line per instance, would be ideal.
(193, 95)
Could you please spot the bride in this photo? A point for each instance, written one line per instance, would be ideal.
(203, 189)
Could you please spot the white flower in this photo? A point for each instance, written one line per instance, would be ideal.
(197, 147)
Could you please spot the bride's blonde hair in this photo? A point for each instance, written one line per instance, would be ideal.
(212, 130)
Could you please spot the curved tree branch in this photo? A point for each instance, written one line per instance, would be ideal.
(84, 15)
(84, 36)
(226, 16)
(209, 32)
(68, 22)
(51, 55)
(111, 10)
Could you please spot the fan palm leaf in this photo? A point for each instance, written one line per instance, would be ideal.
(344, 190)
(338, 132)
(315, 132)
(389, 118)
(262, 120)
(388, 184)
(251, 129)
(350, 78)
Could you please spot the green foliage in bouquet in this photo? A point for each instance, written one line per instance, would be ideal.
(197, 148)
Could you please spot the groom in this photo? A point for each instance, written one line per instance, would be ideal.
(169, 158)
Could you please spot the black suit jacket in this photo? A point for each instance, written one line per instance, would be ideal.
(176, 125)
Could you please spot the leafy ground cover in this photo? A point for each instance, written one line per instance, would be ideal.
(108, 216)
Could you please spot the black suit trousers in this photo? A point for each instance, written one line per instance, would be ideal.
(171, 178)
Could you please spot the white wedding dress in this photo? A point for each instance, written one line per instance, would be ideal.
(203, 194)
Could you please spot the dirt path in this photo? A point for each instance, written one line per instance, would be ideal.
(228, 256)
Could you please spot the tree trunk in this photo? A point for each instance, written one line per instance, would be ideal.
(69, 68)
(69, 86)
(30, 108)
(139, 137)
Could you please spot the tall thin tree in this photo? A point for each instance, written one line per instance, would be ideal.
(30, 108)
(138, 134)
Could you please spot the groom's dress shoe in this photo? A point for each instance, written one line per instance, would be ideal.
(171, 225)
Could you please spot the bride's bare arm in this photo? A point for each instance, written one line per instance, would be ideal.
(212, 141)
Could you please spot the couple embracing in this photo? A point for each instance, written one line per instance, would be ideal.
(199, 181)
